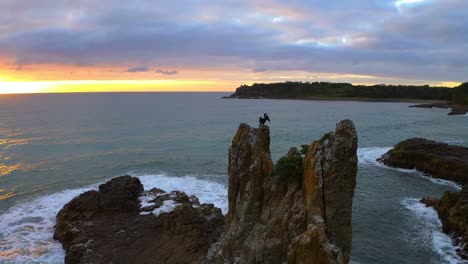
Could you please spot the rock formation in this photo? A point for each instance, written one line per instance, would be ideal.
(452, 209)
(440, 160)
(297, 211)
(109, 226)
(456, 109)
(277, 215)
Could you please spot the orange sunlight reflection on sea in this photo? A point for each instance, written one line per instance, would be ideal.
(6, 195)
(7, 169)
(11, 254)
(6, 144)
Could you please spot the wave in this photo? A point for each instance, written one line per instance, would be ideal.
(459, 142)
(206, 191)
(27, 228)
(432, 229)
(368, 157)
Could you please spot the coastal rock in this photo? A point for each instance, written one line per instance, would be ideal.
(440, 160)
(456, 109)
(298, 211)
(452, 209)
(109, 225)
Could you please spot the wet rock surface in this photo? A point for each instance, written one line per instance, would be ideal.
(456, 109)
(440, 160)
(109, 225)
(452, 209)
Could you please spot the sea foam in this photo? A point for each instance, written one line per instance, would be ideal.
(27, 229)
(369, 156)
(206, 191)
(431, 224)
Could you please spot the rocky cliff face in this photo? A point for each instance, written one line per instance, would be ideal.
(297, 211)
(452, 209)
(440, 160)
(277, 215)
(112, 226)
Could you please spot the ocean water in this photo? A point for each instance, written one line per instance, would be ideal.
(55, 146)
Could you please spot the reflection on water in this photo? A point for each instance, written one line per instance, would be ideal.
(5, 144)
(6, 195)
(12, 253)
(7, 169)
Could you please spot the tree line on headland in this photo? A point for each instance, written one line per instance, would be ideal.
(327, 90)
(460, 94)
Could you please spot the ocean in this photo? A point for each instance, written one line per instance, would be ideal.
(55, 146)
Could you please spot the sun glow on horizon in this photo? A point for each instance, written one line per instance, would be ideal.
(73, 86)
(12, 87)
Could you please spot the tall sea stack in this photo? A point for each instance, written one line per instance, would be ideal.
(297, 211)
(279, 215)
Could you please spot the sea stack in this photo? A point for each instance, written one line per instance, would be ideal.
(278, 215)
(296, 211)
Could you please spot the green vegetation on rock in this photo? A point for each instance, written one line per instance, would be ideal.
(325, 137)
(289, 165)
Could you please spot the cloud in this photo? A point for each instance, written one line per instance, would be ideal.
(260, 70)
(167, 72)
(426, 40)
(138, 69)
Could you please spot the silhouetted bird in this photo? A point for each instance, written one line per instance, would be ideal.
(263, 119)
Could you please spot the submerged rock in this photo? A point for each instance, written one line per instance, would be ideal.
(108, 226)
(440, 160)
(277, 215)
(452, 209)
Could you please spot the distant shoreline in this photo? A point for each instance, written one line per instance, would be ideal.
(390, 100)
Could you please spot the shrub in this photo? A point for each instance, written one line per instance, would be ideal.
(304, 149)
(290, 166)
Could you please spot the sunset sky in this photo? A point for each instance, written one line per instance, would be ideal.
(213, 45)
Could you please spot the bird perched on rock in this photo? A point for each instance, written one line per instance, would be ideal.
(263, 119)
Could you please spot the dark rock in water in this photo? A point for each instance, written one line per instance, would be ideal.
(432, 105)
(276, 218)
(456, 109)
(459, 110)
(107, 226)
(440, 160)
(452, 209)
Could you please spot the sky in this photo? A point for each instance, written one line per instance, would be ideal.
(214, 45)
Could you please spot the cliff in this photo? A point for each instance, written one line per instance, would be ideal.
(452, 209)
(278, 215)
(440, 160)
